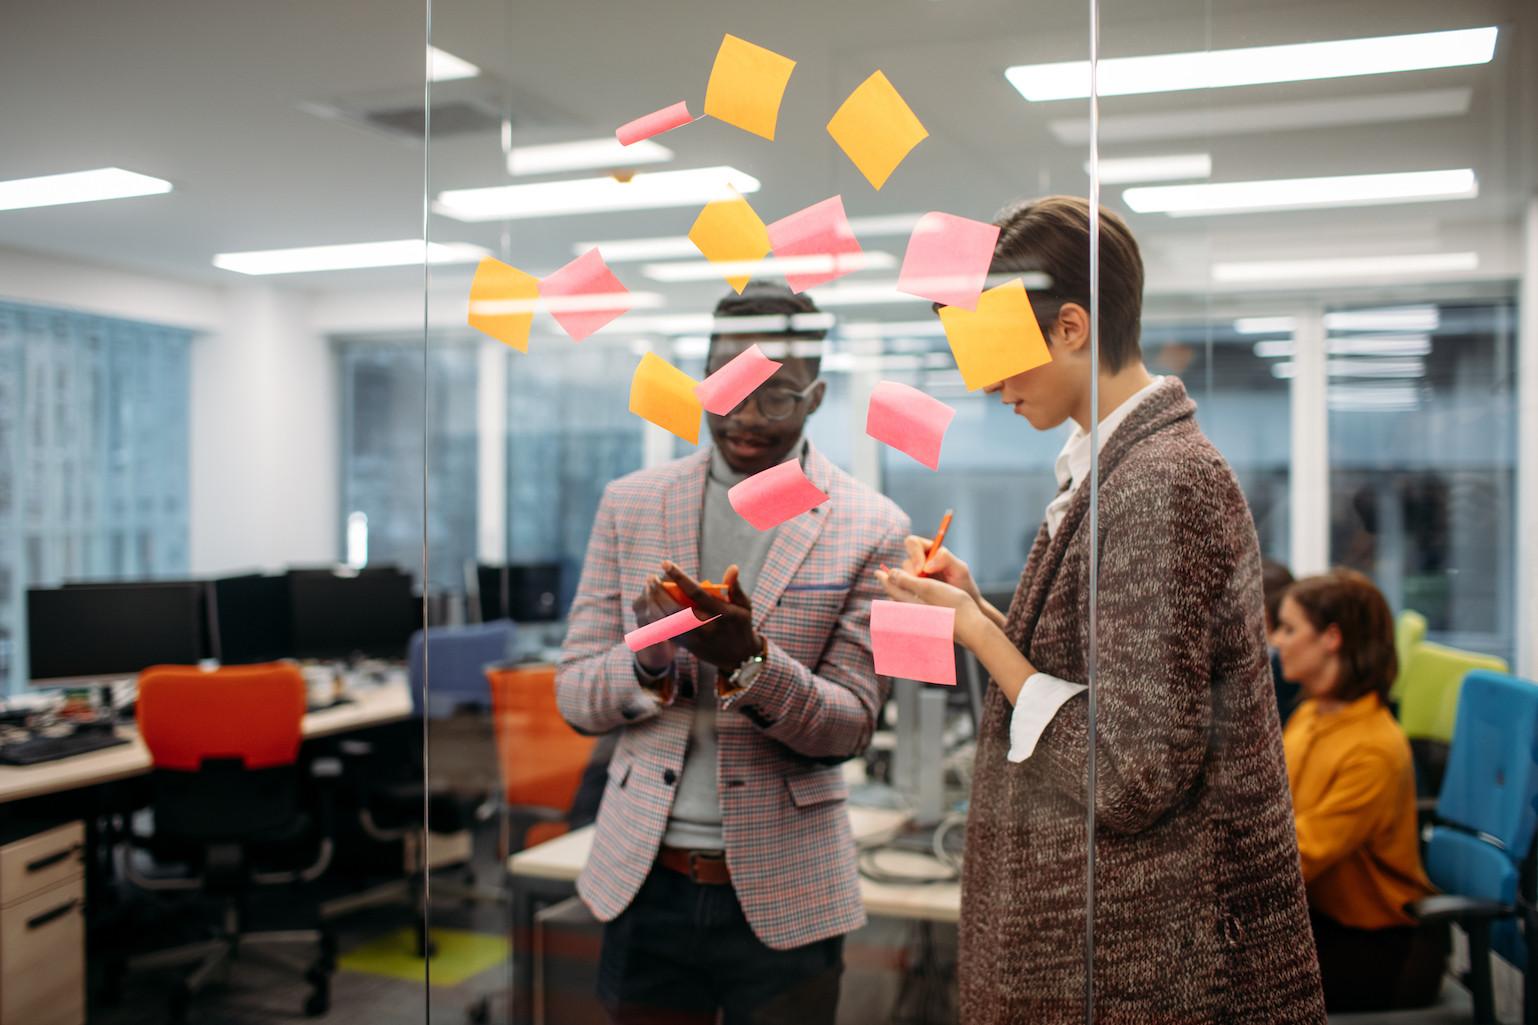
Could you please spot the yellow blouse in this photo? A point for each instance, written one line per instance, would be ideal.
(1353, 796)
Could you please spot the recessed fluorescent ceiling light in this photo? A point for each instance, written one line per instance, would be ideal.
(1264, 325)
(672, 247)
(1121, 170)
(583, 154)
(1274, 349)
(1379, 345)
(1250, 118)
(1397, 318)
(445, 67)
(1255, 65)
(78, 187)
(893, 328)
(1302, 193)
(1345, 267)
(647, 191)
(347, 257)
(878, 292)
(706, 270)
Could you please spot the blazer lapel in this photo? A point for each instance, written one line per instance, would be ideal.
(793, 542)
(682, 505)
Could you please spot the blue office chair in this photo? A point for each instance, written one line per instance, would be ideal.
(457, 657)
(1480, 853)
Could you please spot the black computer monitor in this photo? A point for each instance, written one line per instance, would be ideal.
(525, 592)
(85, 632)
(252, 619)
(339, 616)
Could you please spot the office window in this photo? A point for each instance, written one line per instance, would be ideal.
(569, 432)
(93, 456)
(382, 452)
(1423, 469)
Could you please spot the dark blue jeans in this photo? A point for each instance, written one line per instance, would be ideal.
(683, 952)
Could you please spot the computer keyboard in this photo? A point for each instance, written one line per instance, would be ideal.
(49, 749)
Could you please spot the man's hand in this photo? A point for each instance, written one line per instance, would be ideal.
(652, 604)
(729, 641)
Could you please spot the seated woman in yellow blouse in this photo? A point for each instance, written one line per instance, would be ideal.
(1353, 794)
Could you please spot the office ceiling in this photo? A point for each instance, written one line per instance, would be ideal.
(221, 99)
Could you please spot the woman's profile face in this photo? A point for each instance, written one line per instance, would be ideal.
(1049, 394)
(1308, 655)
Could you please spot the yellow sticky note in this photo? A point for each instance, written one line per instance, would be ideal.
(876, 129)
(730, 231)
(746, 86)
(999, 339)
(662, 394)
(502, 301)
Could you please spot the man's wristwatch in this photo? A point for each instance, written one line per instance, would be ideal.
(729, 688)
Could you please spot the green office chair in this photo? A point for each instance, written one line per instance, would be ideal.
(1409, 631)
(1429, 682)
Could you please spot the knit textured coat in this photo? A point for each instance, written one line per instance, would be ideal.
(1200, 911)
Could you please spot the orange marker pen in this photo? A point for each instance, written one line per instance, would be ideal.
(934, 546)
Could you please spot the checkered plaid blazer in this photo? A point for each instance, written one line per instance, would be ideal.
(814, 704)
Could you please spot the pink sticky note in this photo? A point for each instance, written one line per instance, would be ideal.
(655, 123)
(723, 390)
(664, 629)
(914, 642)
(821, 229)
(584, 295)
(777, 494)
(947, 259)
(908, 420)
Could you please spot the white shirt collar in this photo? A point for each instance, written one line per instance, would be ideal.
(1073, 461)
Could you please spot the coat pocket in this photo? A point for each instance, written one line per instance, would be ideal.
(813, 788)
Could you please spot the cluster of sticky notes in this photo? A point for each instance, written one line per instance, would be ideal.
(999, 339)
(664, 395)
(908, 420)
(729, 231)
(724, 390)
(819, 231)
(664, 629)
(780, 493)
(876, 129)
(914, 642)
(947, 259)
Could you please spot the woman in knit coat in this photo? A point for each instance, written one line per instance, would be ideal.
(1200, 916)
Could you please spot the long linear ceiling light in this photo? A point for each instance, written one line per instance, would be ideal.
(1173, 167)
(78, 187)
(1411, 266)
(705, 270)
(672, 247)
(399, 253)
(1302, 193)
(1256, 65)
(583, 155)
(647, 191)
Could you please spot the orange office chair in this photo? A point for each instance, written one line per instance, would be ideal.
(227, 805)
(541, 758)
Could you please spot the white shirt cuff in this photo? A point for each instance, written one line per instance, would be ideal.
(1040, 697)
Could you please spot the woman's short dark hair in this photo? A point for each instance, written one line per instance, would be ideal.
(1348, 601)
(1050, 236)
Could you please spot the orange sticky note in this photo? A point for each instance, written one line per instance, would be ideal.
(876, 129)
(502, 301)
(908, 420)
(747, 83)
(947, 259)
(999, 339)
(914, 642)
(730, 231)
(662, 394)
(822, 232)
(779, 493)
(584, 295)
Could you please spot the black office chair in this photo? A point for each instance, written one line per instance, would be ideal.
(227, 812)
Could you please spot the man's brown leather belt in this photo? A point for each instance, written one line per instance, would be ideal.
(708, 868)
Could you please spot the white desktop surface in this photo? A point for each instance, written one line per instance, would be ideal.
(372, 705)
(563, 858)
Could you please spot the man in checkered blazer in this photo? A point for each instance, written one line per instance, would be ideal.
(723, 865)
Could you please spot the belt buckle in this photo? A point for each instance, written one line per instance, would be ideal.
(695, 857)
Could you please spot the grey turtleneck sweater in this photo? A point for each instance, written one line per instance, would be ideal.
(725, 538)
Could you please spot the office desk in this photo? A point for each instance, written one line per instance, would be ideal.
(373, 705)
(547, 873)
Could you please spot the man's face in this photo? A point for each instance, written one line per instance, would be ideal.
(750, 437)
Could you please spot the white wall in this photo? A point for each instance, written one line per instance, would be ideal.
(265, 416)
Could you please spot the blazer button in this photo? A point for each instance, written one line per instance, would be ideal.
(669, 777)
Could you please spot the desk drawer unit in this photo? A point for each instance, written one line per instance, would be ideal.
(42, 928)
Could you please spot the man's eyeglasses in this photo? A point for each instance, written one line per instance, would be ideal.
(778, 403)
